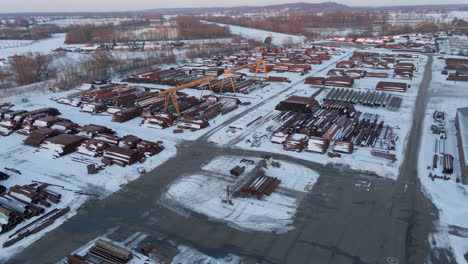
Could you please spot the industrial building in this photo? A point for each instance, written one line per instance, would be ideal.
(461, 123)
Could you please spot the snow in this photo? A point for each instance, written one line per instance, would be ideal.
(260, 35)
(463, 118)
(448, 196)
(203, 191)
(361, 159)
(39, 166)
(134, 242)
(42, 46)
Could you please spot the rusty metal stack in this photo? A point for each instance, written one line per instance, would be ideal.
(23, 202)
(121, 156)
(126, 115)
(110, 253)
(260, 185)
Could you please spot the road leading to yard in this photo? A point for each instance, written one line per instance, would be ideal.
(339, 221)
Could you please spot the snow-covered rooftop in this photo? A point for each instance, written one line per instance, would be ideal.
(462, 114)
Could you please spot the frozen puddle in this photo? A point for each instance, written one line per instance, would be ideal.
(204, 191)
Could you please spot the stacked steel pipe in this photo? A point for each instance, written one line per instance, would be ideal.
(24, 202)
(260, 185)
(110, 253)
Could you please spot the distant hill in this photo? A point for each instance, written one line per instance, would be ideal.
(301, 6)
(292, 7)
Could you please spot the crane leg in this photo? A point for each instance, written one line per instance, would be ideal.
(232, 85)
(176, 104)
(166, 103)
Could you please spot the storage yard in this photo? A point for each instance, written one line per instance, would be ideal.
(140, 248)
(439, 164)
(260, 198)
(315, 106)
(357, 124)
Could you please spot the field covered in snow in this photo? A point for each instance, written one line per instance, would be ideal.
(203, 192)
(42, 46)
(260, 35)
(448, 196)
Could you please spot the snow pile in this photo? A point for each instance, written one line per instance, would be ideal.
(204, 191)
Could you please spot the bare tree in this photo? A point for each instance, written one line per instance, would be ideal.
(30, 67)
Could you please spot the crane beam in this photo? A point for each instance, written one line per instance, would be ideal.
(171, 94)
(257, 64)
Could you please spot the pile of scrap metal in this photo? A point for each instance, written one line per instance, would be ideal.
(260, 185)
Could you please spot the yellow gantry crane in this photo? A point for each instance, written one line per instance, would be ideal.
(171, 94)
(228, 73)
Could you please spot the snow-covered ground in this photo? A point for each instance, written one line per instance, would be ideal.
(133, 243)
(361, 159)
(448, 196)
(81, 21)
(203, 192)
(260, 35)
(42, 46)
(64, 171)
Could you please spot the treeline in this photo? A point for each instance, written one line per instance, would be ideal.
(89, 34)
(185, 28)
(191, 28)
(299, 23)
(35, 32)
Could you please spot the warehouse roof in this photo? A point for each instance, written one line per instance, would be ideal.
(462, 115)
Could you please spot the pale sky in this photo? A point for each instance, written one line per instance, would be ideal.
(129, 5)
